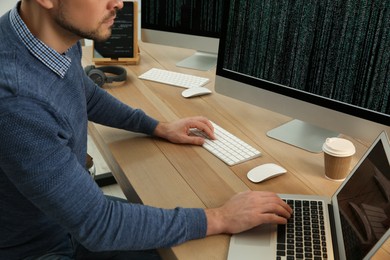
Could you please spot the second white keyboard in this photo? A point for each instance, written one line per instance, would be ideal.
(227, 147)
(174, 78)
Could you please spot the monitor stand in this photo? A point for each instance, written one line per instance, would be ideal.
(199, 61)
(303, 135)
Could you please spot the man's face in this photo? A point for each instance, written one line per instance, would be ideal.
(90, 19)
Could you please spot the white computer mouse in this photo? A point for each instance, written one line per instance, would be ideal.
(264, 172)
(195, 91)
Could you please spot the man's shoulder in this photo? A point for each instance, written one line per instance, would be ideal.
(7, 33)
(9, 52)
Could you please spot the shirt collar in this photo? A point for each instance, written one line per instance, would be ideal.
(58, 63)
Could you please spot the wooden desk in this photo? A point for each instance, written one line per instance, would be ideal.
(158, 173)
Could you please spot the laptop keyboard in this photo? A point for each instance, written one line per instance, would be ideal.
(303, 237)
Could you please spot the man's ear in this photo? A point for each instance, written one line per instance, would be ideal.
(47, 4)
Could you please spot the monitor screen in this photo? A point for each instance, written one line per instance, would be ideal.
(192, 24)
(326, 63)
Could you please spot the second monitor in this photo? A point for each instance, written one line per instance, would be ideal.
(191, 24)
(324, 63)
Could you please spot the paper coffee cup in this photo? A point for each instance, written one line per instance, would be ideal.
(338, 154)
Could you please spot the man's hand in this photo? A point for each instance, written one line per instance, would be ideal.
(179, 131)
(247, 210)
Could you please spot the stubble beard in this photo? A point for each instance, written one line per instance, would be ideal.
(96, 35)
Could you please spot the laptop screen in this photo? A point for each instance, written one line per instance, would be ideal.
(364, 202)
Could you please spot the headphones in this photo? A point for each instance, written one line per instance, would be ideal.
(100, 78)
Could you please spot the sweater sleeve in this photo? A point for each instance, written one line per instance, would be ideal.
(105, 109)
(36, 158)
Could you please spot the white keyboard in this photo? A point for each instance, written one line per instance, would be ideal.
(174, 78)
(227, 147)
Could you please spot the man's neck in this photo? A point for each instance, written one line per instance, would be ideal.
(42, 26)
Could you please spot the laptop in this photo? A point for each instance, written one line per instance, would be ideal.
(354, 225)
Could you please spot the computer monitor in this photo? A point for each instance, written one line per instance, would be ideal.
(191, 24)
(326, 64)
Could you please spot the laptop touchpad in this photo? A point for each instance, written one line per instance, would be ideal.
(257, 243)
(258, 236)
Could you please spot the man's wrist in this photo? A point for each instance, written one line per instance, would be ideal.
(214, 222)
(159, 130)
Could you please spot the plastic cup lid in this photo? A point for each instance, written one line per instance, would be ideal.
(338, 147)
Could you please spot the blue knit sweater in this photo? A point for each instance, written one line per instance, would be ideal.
(45, 192)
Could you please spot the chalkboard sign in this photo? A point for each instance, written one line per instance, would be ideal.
(122, 46)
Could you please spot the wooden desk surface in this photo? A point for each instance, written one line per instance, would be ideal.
(158, 173)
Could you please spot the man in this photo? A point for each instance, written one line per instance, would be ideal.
(49, 206)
